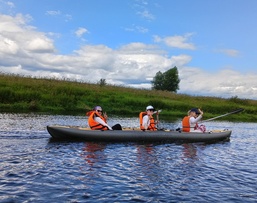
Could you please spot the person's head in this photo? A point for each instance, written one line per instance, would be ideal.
(98, 109)
(194, 112)
(150, 109)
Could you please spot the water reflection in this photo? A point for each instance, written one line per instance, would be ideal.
(93, 152)
(147, 161)
(146, 158)
(189, 151)
(95, 161)
(34, 168)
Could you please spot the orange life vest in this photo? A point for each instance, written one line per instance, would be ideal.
(93, 124)
(152, 123)
(89, 112)
(186, 124)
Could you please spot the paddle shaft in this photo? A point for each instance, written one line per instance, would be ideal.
(233, 112)
(157, 118)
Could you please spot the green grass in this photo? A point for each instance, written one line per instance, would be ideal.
(27, 94)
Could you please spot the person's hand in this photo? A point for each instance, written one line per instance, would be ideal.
(105, 115)
(201, 112)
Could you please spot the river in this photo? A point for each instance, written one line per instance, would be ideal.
(33, 168)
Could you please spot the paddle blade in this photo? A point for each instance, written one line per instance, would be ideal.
(159, 111)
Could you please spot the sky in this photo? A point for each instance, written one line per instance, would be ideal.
(126, 42)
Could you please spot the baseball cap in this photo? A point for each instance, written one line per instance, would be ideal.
(149, 107)
(195, 110)
(98, 108)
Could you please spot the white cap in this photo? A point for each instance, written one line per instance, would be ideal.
(149, 108)
(98, 108)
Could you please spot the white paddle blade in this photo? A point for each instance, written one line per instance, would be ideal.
(157, 111)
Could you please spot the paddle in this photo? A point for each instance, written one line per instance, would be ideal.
(233, 112)
(157, 117)
(211, 119)
(157, 111)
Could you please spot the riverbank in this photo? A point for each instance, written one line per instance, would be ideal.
(27, 94)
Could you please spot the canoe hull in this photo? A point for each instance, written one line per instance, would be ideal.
(71, 133)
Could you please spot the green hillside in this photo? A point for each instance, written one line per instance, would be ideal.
(27, 94)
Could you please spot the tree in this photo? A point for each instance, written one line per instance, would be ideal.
(102, 82)
(168, 80)
(158, 81)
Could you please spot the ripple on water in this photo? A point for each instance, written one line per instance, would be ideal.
(35, 169)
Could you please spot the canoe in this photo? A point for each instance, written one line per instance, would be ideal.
(134, 135)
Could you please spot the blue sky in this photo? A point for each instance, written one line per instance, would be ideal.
(212, 42)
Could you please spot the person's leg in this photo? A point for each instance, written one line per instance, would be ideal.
(117, 127)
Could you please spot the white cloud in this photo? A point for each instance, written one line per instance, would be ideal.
(142, 9)
(229, 52)
(146, 14)
(8, 46)
(26, 51)
(12, 25)
(136, 28)
(6, 6)
(53, 13)
(176, 41)
(225, 83)
(40, 45)
(10, 4)
(80, 31)
(67, 17)
(19, 38)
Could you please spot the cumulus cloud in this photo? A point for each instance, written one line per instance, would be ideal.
(26, 51)
(225, 83)
(8, 46)
(180, 42)
(20, 41)
(10, 25)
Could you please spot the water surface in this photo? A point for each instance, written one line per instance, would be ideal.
(33, 168)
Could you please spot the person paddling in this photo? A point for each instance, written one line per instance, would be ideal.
(97, 120)
(146, 119)
(189, 122)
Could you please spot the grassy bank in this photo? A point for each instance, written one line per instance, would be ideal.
(19, 94)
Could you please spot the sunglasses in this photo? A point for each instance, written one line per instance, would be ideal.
(150, 110)
(99, 111)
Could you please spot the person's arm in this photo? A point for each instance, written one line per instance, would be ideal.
(195, 120)
(99, 120)
(198, 118)
(200, 115)
(145, 122)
